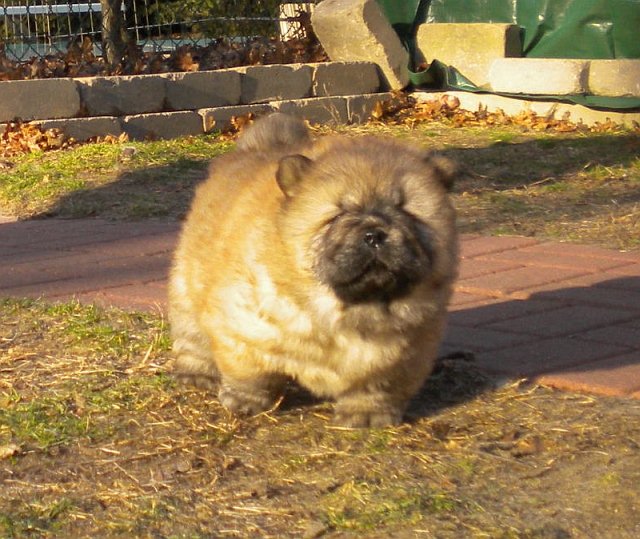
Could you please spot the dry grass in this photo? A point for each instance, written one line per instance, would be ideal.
(96, 440)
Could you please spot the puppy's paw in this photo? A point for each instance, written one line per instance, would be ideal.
(192, 369)
(201, 381)
(364, 419)
(244, 402)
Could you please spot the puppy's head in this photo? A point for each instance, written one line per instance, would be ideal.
(369, 218)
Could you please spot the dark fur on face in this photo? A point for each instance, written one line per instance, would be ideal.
(374, 255)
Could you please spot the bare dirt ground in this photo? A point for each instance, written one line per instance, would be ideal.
(97, 441)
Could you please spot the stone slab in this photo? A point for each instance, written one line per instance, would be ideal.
(513, 106)
(38, 99)
(317, 110)
(162, 125)
(82, 129)
(470, 48)
(357, 30)
(538, 76)
(615, 78)
(219, 118)
(202, 89)
(345, 78)
(264, 83)
(119, 96)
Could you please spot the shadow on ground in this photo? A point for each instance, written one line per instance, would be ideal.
(508, 165)
(161, 191)
(527, 341)
(165, 191)
(561, 333)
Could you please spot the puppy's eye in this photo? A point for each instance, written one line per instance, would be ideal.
(333, 218)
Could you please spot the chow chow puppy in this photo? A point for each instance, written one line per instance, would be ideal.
(327, 262)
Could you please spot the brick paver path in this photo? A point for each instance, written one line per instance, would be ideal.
(565, 315)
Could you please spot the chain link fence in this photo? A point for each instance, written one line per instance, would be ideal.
(35, 28)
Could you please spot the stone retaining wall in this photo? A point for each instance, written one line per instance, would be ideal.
(177, 104)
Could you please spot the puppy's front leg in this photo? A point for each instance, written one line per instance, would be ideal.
(251, 396)
(369, 408)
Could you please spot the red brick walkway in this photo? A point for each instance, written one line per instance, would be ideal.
(565, 315)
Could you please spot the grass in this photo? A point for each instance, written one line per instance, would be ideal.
(577, 186)
(122, 179)
(78, 408)
(97, 440)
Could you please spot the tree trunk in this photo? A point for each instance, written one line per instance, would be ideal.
(113, 34)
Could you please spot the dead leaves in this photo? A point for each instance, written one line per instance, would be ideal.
(8, 451)
(80, 61)
(402, 109)
(20, 138)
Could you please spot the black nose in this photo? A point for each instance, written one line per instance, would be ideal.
(375, 238)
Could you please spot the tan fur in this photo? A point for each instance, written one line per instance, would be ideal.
(248, 308)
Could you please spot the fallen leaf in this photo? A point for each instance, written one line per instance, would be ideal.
(8, 451)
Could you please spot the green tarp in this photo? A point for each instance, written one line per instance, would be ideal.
(594, 29)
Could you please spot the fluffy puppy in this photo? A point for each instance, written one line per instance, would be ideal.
(329, 262)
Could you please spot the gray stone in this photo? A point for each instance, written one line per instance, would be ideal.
(219, 118)
(202, 89)
(542, 76)
(345, 78)
(265, 83)
(119, 96)
(551, 109)
(316, 110)
(470, 48)
(38, 99)
(357, 30)
(163, 125)
(615, 78)
(85, 128)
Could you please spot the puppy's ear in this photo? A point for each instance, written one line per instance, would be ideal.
(291, 170)
(446, 169)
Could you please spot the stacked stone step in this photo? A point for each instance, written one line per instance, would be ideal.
(179, 104)
(489, 55)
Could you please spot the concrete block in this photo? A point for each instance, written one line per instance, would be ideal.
(163, 125)
(345, 78)
(360, 107)
(119, 96)
(202, 89)
(470, 48)
(219, 118)
(316, 110)
(542, 76)
(552, 109)
(38, 99)
(85, 128)
(614, 78)
(265, 83)
(357, 30)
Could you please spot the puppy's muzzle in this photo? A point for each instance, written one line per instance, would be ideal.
(375, 238)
